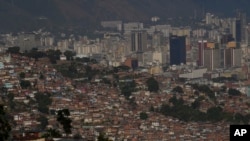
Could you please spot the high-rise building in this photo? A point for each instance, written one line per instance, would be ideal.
(202, 44)
(177, 50)
(138, 41)
(232, 57)
(209, 18)
(236, 29)
(248, 35)
(211, 58)
(228, 57)
(243, 21)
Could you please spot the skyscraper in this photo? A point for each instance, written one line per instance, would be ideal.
(177, 50)
(202, 44)
(211, 58)
(138, 41)
(238, 30)
(232, 57)
(243, 21)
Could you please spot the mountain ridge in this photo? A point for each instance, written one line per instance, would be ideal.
(21, 15)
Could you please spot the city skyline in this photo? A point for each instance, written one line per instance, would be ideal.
(78, 73)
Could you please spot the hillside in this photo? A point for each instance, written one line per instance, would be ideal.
(28, 14)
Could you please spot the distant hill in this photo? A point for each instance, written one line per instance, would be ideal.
(19, 15)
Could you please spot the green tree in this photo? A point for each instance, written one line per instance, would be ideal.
(151, 109)
(84, 59)
(152, 85)
(127, 88)
(25, 84)
(12, 104)
(240, 119)
(43, 101)
(196, 93)
(64, 120)
(5, 127)
(52, 60)
(93, 61)
(14, 50)
(69, 54)
(22, 75)
(53, 55)
(41, 77)
(143, 116)
(106, 81)
(178, 89)
(77, 136)
(72, 68)
(102, 137)
(204, 89)
(43, 122)
(211, 95)
(10, 96)
(223, 88)
(234, 92)
(196, 104)
(176, 102)
(116, 77)
(215, 114)
(52, 133)
(34, 53)
(90, 73)
(122, 68)
(3, 90)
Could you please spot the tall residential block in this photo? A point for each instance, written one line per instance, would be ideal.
(138, 41)
(232, 57)
(211, 58)
(202, 45)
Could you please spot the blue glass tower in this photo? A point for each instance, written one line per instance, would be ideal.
(238, 31)
(177, 50)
